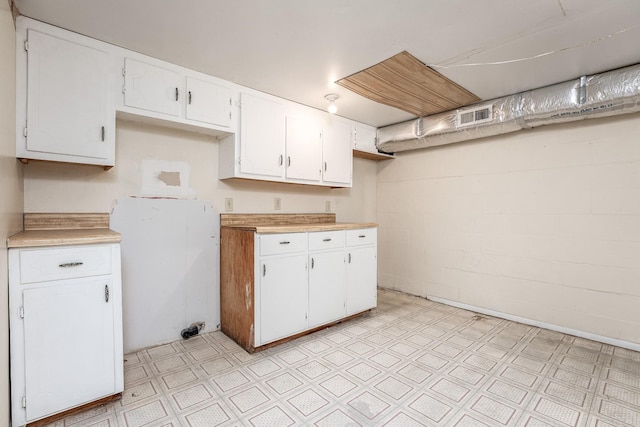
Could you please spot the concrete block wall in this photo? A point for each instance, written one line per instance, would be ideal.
(542, 224)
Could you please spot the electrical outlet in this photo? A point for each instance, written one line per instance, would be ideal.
(228, 204)
(277, 204)
(327, 206)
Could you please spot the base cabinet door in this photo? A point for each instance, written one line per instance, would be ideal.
(69, 345)
(327, 291)
(362, 279)
(283, 297)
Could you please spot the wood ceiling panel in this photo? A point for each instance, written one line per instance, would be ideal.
(404, 82)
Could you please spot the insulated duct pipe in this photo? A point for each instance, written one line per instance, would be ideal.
(600, 95)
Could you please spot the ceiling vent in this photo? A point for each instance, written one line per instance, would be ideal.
(474, 116)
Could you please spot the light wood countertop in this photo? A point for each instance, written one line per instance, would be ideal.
(300, 228)
(63, 229)
(32, 238)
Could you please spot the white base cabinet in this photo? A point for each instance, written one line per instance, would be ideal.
(274, 286)
(65, 328)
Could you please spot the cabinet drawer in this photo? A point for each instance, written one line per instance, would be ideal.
(39, 265)
(362, 236)
(326, 240)
(273, 244)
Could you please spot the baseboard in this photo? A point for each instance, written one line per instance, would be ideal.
(582, 334)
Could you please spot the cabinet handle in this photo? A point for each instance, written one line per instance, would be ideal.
(349, 258)
(106, 293)
(288, 160)
(189, 97)
(325, 166)
(264, 269)
(70, 264)
(280, 159)
(313, 263)
(285, 242)
(326, 240)
(102, 133)
(177, 94)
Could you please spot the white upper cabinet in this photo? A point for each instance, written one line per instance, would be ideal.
(64, 110)
(337, 157)
(303, 141)
(152, 88)
(261, 136)
(208, 102)
(179, 97)
(365, 139)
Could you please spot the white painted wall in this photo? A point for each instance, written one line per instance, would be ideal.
(51, 187)
(11, 195)
(543, 224)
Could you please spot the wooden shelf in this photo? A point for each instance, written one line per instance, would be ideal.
(372, 156)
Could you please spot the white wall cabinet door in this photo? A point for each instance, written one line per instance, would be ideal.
(327, 291)
(67, 102)
(68, 344)
(303, 139)
(283, 297)
(208, 102)
(365, 139)
(362, 277)
(337, 155)
(262, 131)
(153, 88)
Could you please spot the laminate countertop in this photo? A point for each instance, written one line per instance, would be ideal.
(60, 229)
(300, 228)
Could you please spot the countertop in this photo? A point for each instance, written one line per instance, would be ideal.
(299, 228)
(63, 229)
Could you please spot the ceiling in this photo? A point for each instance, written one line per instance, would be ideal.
(297, 49)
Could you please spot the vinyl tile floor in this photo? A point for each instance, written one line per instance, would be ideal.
(409, 362)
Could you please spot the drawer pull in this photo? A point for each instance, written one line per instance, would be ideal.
(106, 293)
(326, 240)
(362, 236)
(70, 264)
(285, 242)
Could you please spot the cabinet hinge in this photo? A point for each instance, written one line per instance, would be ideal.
(24, 401)
(124, 71)
(26, 45)
(25, 132)
(124, 88)
(22, 312)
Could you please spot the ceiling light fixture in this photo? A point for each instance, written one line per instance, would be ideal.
(332, 108)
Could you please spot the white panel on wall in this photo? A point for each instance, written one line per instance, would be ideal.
(170, 268)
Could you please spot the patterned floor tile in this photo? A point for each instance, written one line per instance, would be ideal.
(409, 362)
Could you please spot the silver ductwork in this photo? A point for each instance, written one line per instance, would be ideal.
(600, 95)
